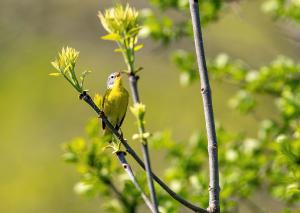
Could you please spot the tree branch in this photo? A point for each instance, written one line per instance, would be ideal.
(135, 96)
(84, 96)
(127, 168)
(214, 189)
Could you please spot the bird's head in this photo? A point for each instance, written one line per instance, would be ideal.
(112, 79)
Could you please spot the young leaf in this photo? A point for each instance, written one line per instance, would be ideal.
(118, 50)
(111, 37)
(55, 74)
(134, 31)
(138, 47)
(83, 75)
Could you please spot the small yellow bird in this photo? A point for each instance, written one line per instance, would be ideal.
(115, 102)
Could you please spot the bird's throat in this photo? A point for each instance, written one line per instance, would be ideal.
(117, 84)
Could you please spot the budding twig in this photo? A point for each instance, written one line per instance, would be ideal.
(135, 95)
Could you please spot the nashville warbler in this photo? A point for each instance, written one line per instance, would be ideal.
(115, 102)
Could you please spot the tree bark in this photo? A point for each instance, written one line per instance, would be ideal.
(214, 189)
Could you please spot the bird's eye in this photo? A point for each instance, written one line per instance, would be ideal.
(111, 76)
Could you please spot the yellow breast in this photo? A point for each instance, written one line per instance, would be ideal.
(115, 103)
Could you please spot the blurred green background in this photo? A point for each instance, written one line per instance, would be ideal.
(39, 112)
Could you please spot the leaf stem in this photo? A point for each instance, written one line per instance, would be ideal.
(72, 83)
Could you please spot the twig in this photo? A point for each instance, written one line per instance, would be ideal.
(84, 96)
(214, 188)
(127, 168)
(135, 96)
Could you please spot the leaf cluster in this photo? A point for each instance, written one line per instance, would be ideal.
(65, 65)
(100, 173)
(278, 139)
(123, 27)
(283, 9)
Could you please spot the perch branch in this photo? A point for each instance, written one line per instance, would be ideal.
(84, 96)
(214, 189)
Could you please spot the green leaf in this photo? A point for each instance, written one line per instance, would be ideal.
(111, 37)
(138, 47)
(70, 157)
(83, 75)
(55, 65)
(55, 74)
(83, 188)
(118, 50)
(134, 31)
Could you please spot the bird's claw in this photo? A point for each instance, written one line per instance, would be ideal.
(101, 114)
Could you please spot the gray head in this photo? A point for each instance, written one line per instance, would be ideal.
(111, 79)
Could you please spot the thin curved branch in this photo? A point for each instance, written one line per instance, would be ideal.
(127, 168)
(84, 96)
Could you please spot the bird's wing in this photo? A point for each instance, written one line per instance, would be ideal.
(103, 104)
(120, 123)
(126, 95)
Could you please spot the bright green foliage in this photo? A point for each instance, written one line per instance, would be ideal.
(139, 110)
(287, 165)
(188, 170)
(209, 8)
(287, 9)
(243, 102)
(122, 25)
(186, 63)
(165, 29)
(100, 172)
(280, 79)
(224, 68)
(271, 159)
(65, 65)
(279, 169)
(119, 20)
